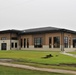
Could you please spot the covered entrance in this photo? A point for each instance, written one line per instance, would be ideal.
(3, 46)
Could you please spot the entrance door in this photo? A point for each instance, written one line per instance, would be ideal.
(3, 46)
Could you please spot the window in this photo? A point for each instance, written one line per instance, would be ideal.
(21, 42)
(15, 45)
(69, 42)
(27, 42)
(56, 41)
(14, 38)
(66, 42)
(12, 45)
(50, 40)
(74, 42)
(3, 38)
(24, 43)
(37, 42)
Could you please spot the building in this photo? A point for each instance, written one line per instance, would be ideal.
(46, 38)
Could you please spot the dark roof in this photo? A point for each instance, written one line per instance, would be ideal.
(10, 31)
(41, 29)
(38, 30)
(45, 30)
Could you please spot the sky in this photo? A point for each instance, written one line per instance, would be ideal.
(26, 14)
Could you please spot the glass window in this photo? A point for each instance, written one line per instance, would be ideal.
(66, 42)
(21, 42)
(12, 45)
(74, 42)
(27, 42)
(50, 42)
(37, 42)
(69, 42)
(15, 45)
(24, 43)
(56, 41)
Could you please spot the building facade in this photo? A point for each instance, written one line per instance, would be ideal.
(46, 38)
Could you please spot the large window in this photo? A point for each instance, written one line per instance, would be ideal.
(37, 42)
(24, 43)
(56, 41)
(74, 42)
(69, 42)
(21, 42)
(50, 42)
(12, 45)
(15, 45)
(27, 42)
(66, 42)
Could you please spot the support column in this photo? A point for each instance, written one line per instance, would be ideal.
(52, 43)
(71, 41)
(62, 41)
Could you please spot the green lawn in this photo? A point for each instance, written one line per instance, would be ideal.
(16, 71)
(73, 53)
(35, 58)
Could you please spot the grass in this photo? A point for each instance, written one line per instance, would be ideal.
(64, 67)
(35, 58)
(73, 53)
(16, 71)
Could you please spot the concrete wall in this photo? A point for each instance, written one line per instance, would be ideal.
(44, 48)
(5, 41)
(8, 40)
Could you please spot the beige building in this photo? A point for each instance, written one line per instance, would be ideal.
(46, 38)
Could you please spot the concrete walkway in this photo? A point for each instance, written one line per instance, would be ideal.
(73, 55)
(36, 68)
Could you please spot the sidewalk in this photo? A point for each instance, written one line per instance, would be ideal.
(39, 69)
(73, 55)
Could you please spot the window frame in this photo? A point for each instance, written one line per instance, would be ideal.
(66, 41)
(24, 42)
(56, 42)
(12, 45)
(50, 42)
(38, 42)
(16, 45)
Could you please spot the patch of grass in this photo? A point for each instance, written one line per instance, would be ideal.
(65, 67)
(16, 71)
(35, 58)
(73, 53)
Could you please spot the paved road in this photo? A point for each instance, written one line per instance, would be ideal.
(36, 68)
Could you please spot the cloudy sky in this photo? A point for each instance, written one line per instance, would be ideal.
(25, 14)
